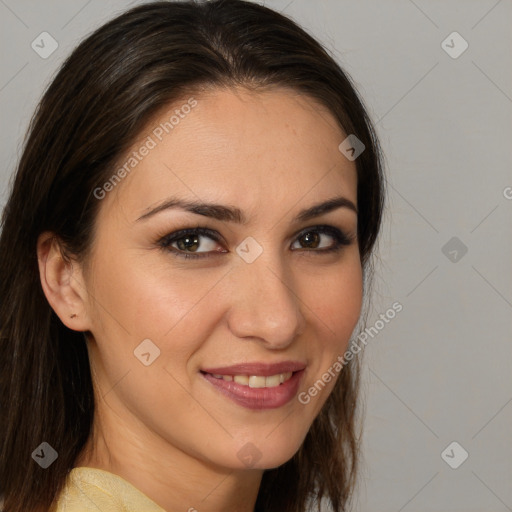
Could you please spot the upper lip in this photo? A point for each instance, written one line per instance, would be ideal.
(263, 369)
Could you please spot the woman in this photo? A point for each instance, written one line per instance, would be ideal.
(184, 254)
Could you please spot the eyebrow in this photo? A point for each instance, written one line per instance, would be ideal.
(233, 214)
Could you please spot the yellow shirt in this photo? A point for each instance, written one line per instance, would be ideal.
(91, 490)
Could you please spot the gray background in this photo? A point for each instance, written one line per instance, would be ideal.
(440, 371)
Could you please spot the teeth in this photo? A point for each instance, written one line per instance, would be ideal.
(272, 381)
(257, 381)
(241, 379)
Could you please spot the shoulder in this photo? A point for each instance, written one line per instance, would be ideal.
(90, 489)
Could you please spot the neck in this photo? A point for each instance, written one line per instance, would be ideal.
(173, 479)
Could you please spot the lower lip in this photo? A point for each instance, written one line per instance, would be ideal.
(258, 398)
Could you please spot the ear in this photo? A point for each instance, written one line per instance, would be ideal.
(62, 283)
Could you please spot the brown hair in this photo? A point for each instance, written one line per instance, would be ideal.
(112, 84)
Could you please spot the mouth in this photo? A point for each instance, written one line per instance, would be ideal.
(256, 381)
(257, 386)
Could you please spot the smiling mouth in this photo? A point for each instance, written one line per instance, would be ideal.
(257, 392)
(255, 381)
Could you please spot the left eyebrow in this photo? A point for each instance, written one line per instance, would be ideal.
(232, 214)
(325, 207)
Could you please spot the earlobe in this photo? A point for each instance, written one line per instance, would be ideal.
(62, 283)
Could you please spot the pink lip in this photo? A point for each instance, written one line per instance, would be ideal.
(256, 398)
(263, 369)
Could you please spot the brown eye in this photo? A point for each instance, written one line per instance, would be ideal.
(313, 239)
(186, 243)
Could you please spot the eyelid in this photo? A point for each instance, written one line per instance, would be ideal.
(341, 238)
(331, 230)
(168, 239)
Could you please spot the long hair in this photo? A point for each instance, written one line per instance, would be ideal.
(107, 90)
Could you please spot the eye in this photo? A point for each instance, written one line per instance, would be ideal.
(187, 242)
(311, 239)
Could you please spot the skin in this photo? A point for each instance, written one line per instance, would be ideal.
(163, 427)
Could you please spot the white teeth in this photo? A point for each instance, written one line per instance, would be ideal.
(285, 376)
(241, 379)
(273, 381)
(257, 381)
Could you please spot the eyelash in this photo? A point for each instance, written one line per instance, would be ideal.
(341, 239)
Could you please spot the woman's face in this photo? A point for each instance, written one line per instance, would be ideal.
(208, 354)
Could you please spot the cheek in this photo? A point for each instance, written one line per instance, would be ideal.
(339, 301)
(147, 299)
(336, 316)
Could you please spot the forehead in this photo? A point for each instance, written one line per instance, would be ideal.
(267, 147)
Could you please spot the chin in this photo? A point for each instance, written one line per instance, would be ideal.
(265, 453)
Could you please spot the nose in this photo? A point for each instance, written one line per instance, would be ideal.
(265, 305)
